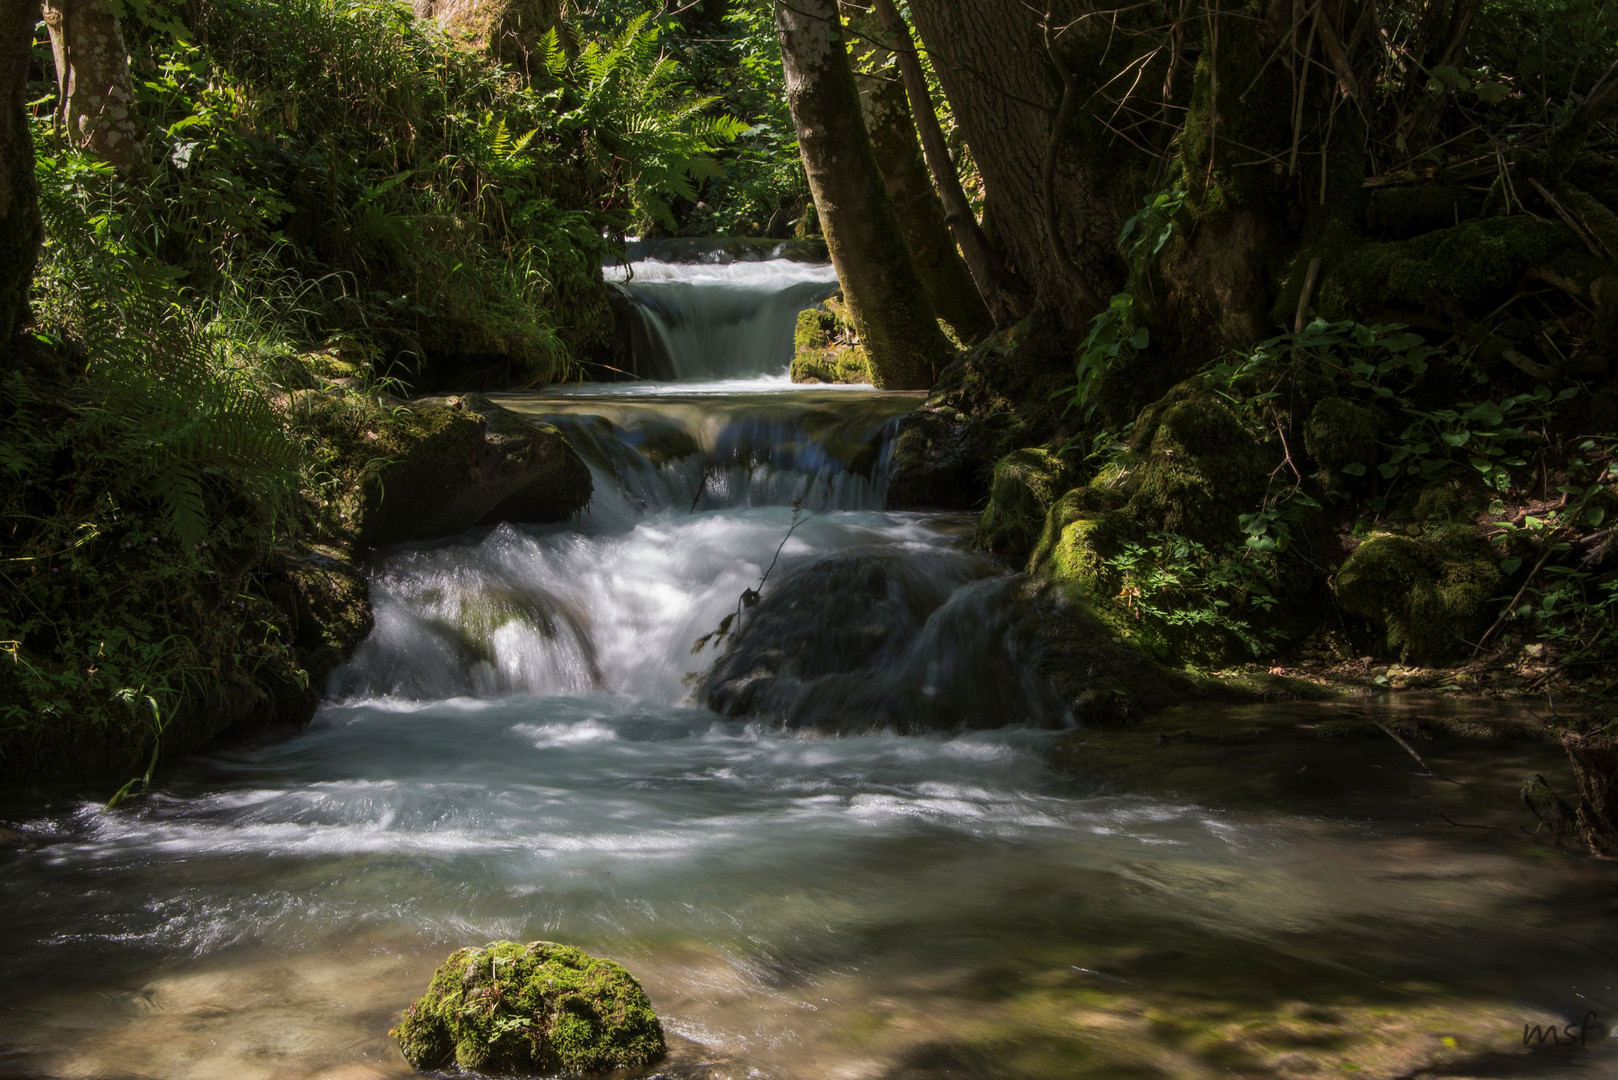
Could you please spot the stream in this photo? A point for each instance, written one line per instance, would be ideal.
(853, 886)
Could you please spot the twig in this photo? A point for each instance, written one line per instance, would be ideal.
(1394, 735)
(1568, 219)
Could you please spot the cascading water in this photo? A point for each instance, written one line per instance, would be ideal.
(522, 749)
(718, 320)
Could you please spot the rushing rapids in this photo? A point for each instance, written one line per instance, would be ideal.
(528, 747)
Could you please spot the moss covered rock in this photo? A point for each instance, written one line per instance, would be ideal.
(534, 1008)
(1465, 270)
(1427, 597)
(1200, 469)
(1340, 434)
(822, 349)
(1025, 484)
(460, 462)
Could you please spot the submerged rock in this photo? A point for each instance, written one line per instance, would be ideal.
(537, 1008)
(867, 642)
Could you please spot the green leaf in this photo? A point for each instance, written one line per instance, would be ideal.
(1353, 468)
(1594, 516)
(1510, 564)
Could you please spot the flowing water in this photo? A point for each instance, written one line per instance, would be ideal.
(519, 751)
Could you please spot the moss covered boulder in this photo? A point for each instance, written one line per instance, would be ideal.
(1427, 597)
(509, 1008)
(1199, 471)
(1341, 436)
(462, 461)
(1024, 487)
(823, 349)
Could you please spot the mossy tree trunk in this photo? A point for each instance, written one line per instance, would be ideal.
(20, 232)
(96, 101)
(887, 302)
(916, 204)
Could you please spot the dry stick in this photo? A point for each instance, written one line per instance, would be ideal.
(1394, 735)
(1310, 280)
(1567, 218)
(1063, 113)
(1299, 90)
(1339, 59)
(1509, 608)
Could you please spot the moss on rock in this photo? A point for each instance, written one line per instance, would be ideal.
(1200, 470)
(1427, 597)
(1465, 270)
(534, 1008)
(1025, 484)
(461, 462)
(1340, 434)
(822, 349)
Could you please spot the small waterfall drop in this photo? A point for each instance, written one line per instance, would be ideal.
(706, 321)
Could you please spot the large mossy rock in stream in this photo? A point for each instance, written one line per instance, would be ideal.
(867, 642)
(535, 1009)
(464, 461)
(1428, 597)
(823, 349)
(1025, 484)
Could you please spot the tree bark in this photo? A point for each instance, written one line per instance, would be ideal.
(96, 98)
(886, 299)
(916, 204)
(1006, 298)
(992, 58)
(20, 231)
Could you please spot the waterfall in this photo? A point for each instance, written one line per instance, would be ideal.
(704, 321)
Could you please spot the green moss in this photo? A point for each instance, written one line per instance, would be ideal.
(1201, 470)
(539, 1007)
(1024, 487)
(822, 349)
(1341, 433)
(1428, 597)
(1468, 269)
(1400, 212)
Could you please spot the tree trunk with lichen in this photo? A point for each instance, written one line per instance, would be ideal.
(886, 299)
(916, 204)
(96, 101)
(20, 232)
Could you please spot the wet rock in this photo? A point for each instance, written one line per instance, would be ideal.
(878, 642)
(536, 1008)
(464, 461)
(983, 407)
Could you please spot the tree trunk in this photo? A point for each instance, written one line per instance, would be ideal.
(20, 232)
(886, 299)
(96, 99)
(992, 58)
(1006, 297)
(916, 204)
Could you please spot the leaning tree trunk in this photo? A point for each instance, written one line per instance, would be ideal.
(916, 203)
(20, 233)
(886, 299)
(96, 99)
